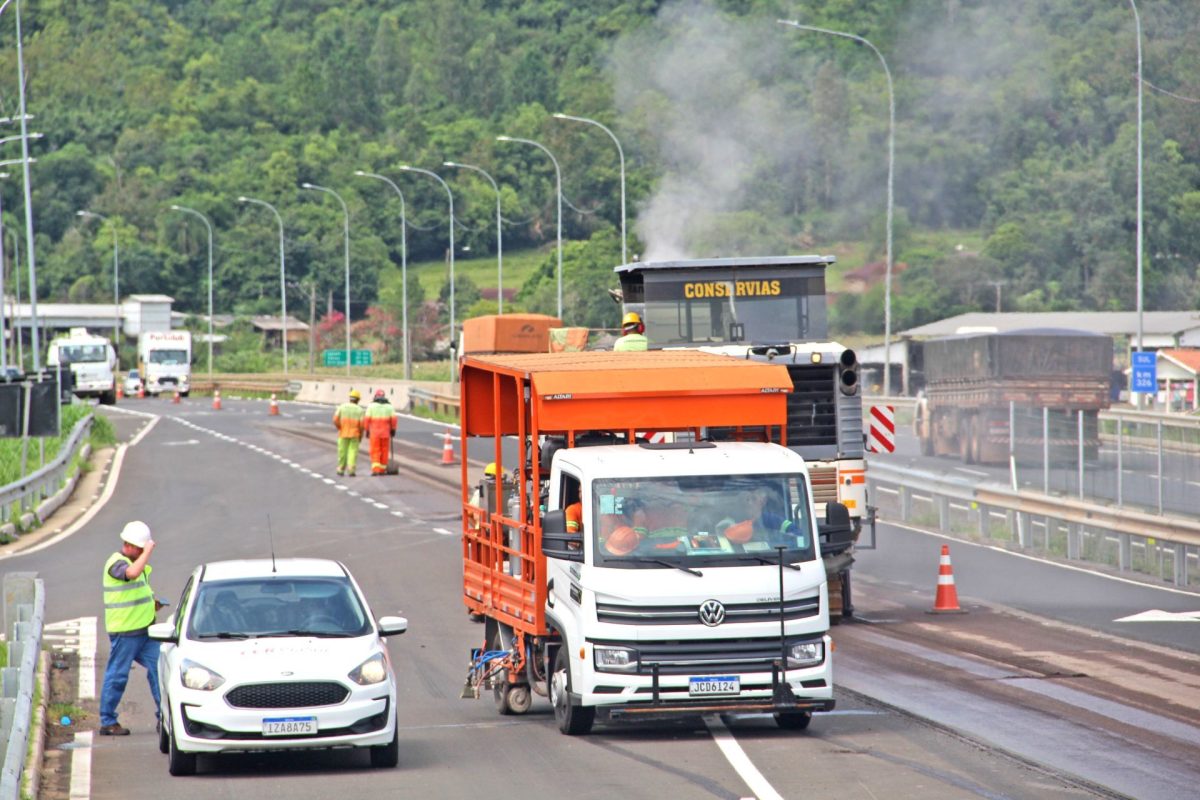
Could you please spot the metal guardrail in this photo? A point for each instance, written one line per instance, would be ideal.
(1121, 538)
(23, 610)
(43, 483)
(434, 401)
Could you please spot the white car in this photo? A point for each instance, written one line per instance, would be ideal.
(275, 655)
(133, 382)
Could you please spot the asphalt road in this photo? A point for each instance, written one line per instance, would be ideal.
(216, 485)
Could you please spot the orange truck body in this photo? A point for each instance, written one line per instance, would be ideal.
(569, 394)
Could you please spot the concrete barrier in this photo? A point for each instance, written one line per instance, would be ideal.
(335, 390)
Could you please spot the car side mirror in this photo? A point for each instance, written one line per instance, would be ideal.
(163, 632)
(392, 626)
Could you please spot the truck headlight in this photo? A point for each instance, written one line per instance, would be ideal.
(806, 654)
(196, 676)
(373, 670)
(614, 659)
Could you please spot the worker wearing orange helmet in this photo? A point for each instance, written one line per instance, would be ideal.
(348, 419)
(381, 429)
(633, 330)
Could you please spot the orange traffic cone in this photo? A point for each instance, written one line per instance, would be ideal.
(274, 408)
(216, 399)
(120, 392)
(175, 399)
(447, 450)
(946, 600)
(141, 391)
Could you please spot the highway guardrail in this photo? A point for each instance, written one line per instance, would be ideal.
(23, 610)
(1128, 540)
(445, 404)
(48, 482)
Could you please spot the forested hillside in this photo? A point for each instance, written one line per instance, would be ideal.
(1015, 128)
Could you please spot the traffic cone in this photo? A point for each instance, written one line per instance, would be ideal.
(274, 408)
(141, 392)
(946, 600)
(175, 399)
(447, 450)
(120, 392)
(216, 399)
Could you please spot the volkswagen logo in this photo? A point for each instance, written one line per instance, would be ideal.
(712, 613)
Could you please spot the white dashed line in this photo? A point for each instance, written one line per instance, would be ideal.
(397, 513)
(331, 481)
(443, 531)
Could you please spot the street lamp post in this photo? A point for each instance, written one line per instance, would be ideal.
(1137, 19)
(558, 192)
(346, 214)
(207, 225)
(450, 195)
(33, 316)
(887, 287)
(3, 313)
(282, 276)
(403, 266)
(499, 237)
(621, 155)
(116, 277)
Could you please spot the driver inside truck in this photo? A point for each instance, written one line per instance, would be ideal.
(764, 522)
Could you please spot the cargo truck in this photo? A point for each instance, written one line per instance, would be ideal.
(773, 309)
(624, 579)
(92, 361)
(165, 361)
(1045, 380)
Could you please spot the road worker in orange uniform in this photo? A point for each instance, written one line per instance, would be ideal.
(381, 428)
(348, 419)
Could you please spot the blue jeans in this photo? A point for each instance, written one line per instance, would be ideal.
(123, 652)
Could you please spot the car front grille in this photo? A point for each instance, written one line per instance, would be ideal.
(621, 614)
(299, 694)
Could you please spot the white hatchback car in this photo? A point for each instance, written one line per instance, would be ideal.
(275, 655)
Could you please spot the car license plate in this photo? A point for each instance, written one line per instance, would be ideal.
(289, 726)
(714, 685)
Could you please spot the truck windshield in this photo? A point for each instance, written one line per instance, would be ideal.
(168, 357)
(82, 353)
(712, 519)
(743, 307)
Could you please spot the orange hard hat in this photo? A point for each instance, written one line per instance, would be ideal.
(623, 541)
(740, 532)
(379, 393)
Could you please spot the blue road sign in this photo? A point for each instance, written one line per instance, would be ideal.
(1145, 373)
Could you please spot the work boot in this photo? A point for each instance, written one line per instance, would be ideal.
(114, 730)
(350, 473)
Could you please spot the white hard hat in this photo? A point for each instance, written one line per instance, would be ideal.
(136, 533)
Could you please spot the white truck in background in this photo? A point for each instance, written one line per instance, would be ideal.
(92, 361)
(165, 361)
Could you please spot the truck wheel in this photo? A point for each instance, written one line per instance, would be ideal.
(793, 720)
(109, 398)
(511, 698)
(572, 720)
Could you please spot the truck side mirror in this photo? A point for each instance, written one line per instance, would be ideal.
(836, 531)
(556, 542)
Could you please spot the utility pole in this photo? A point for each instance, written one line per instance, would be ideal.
(997, 284)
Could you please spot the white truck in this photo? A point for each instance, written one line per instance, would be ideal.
(92, 361)
(661, 579)
(165, 361)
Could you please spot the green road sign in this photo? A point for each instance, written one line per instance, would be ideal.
(337, 358)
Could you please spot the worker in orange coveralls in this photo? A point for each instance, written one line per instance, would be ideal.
(381, 428)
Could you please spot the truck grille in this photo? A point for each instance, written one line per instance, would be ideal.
(621, 614)
(300, 694)
(708, 656)
(811, 405)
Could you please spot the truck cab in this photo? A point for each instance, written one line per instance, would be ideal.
(92, 361)
(671, 590)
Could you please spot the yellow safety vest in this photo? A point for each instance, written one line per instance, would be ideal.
(630, 342)
(128, 605)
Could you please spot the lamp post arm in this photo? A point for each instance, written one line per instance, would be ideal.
(621, 156)
(403, 265)
(450, 196)
(499, 235)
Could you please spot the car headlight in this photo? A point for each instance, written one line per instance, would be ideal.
(196, 676)
(614, 659)
(806, 654)
(373, 670)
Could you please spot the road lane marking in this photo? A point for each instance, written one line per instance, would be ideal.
(382, 506)
(443, 531)
(81, 766)
(979, 472)
(1158, 615)
(397, 513)
(738, 759)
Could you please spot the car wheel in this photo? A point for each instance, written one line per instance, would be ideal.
(164, 740)
(572, 720)
(180, 763)
(387, 755)
(793, 720)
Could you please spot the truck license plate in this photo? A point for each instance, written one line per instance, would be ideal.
(710, 685)
(289, 726)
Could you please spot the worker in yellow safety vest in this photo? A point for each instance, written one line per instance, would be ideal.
(633, 329)
(348, 419)
(129, 609)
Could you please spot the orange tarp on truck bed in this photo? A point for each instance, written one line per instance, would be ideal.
(658, 390)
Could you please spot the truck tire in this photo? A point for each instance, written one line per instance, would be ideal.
(511, 698)
(109, 398)
(572, 720)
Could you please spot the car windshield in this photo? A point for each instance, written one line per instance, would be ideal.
(278, 606)
(691, 521)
